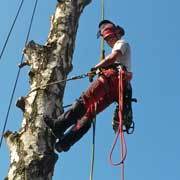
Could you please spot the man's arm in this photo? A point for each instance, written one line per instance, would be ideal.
(108, 60)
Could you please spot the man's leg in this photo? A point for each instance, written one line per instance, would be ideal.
(65, 120)
(74, 134)
(82, 126)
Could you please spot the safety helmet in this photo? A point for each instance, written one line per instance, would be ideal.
(107, 28)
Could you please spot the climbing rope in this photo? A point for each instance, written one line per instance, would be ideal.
(93, 145)
(9, 34)
(120, 128)
(60, 81)
(18, 73)
(102, 55)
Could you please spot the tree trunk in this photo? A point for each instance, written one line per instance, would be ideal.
(32, 153)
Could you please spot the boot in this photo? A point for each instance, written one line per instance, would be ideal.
(67, 119)
(51, 124)
(60, 148)
(73, 135)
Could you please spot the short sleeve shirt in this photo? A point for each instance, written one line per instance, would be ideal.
(124, 47)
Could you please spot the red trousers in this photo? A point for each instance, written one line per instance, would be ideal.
(101, 93)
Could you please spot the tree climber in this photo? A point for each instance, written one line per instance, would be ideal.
(101, 93)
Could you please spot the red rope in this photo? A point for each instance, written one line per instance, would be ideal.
(120, 130)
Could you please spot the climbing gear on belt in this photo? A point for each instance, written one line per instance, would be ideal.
(128, 123)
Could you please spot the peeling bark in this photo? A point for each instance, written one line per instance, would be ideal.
(32, 155)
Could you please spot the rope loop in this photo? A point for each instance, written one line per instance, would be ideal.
(120, 128)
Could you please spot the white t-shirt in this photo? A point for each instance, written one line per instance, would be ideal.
(124, 47)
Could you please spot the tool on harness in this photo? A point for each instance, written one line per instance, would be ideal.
(127, 113)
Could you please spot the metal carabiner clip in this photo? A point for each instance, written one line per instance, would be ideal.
(129, 129)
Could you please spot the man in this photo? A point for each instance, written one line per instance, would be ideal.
(101, 93)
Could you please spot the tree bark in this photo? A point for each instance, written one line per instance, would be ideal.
(32, 155)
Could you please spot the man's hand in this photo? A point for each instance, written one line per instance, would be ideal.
(93, 69)
(92, 74)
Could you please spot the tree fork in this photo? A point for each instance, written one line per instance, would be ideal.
(32, 155)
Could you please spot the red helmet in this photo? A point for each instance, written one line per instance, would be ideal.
(107, 28)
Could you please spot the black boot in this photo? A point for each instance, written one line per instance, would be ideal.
(73, 135)
(51, 124)
(67, 119)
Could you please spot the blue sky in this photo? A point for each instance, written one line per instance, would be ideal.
(152, 29)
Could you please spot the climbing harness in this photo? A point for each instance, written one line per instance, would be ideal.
(10, 31)
(18, 73)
